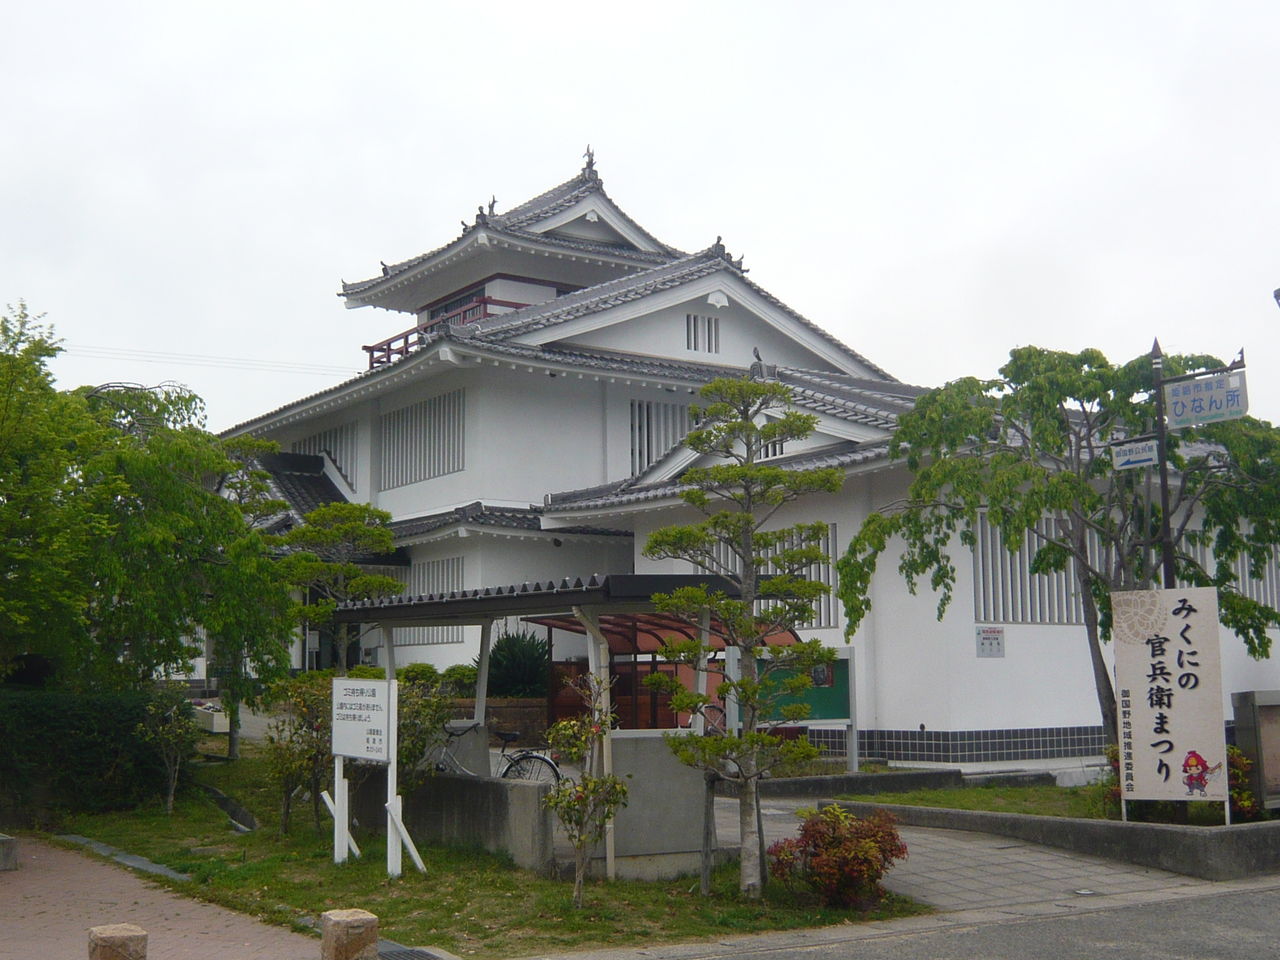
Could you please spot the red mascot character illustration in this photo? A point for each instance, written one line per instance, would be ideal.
(1197, 772)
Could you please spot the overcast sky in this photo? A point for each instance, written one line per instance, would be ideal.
(183, 185)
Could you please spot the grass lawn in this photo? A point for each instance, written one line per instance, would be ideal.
(1045, 801)
(469, 902)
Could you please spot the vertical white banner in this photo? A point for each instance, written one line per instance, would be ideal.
(1169, 694)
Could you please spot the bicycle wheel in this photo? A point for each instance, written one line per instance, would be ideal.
(532, 766)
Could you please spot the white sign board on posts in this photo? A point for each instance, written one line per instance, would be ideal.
(361, 717)
(1169, 694)
(1209, 399)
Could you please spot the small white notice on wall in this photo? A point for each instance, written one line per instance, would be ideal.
(991, 642)
(361, 716)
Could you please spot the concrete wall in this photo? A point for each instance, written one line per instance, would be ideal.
(658, 834)
(1214, 853)
(502, 816)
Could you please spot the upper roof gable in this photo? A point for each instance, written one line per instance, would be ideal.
(580, 196)
(536, 324)
(576, 215)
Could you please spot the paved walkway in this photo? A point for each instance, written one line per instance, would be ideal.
(962, 870)
(49, 903)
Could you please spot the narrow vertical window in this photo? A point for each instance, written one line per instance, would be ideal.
(701, 333)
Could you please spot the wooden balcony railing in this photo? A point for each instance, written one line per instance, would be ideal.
(403, 344)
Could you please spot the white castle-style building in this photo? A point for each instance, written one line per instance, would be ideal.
(523, 428)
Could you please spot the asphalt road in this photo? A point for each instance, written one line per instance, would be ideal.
(1242, 924)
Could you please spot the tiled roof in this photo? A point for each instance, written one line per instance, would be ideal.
(485, 515)
(613, 293)
(527, 597)
(516, 224)
(845, 454)
(562, 197)
(600, 297)
(608, 360)
(877, 403)
(300, 480)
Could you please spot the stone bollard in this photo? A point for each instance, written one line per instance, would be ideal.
(348, 935)
(117, 941)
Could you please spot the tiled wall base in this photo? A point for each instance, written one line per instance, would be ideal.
(966, 746)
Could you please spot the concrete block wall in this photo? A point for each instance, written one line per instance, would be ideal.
(501, 816)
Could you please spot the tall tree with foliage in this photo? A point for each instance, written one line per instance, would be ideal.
(49, 520)
(739, 497)
(1029, 450)
(180, 556)
(116, 546)
(249, 617)
(329, 560)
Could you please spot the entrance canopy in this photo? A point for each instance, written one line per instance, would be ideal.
(632, 633)
(614, 594)
(621, 606)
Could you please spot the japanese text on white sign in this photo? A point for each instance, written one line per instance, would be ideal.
(360, 719)
(1169, 695)
(1221, 396)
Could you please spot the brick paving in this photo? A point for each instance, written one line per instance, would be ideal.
(49, 903)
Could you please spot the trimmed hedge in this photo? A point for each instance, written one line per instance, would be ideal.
(63, 751)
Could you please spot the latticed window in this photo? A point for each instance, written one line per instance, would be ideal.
(430, 577)
(656, 427)
(423, 440)
(701, 333)
(1006, 591)
(339, 443)
(824, 573)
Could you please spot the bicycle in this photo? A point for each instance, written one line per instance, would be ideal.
(523, 764)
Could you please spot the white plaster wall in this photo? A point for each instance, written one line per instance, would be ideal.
(536, 434)
(662, 334)
(519, 291)
(912, 669)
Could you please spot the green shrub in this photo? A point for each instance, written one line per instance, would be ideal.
(1104, 797)
(363, 672)
(459, 680)
(519, 666)
(840, 856)
(421, 673)
(100, 763)
(1244, 805)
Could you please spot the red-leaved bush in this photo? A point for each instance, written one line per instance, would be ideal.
(838, 855)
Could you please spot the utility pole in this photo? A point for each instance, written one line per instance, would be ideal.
(1162, 456)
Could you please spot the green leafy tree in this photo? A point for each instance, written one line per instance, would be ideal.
(50, 520)
(1029, 450)
(171, 731)
(299, 742)
(328, 560)
(180, 557)
(739, 498)
(248, 617)
(117, 546)
(586, 805)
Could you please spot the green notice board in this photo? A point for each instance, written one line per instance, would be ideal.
(828, 698)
